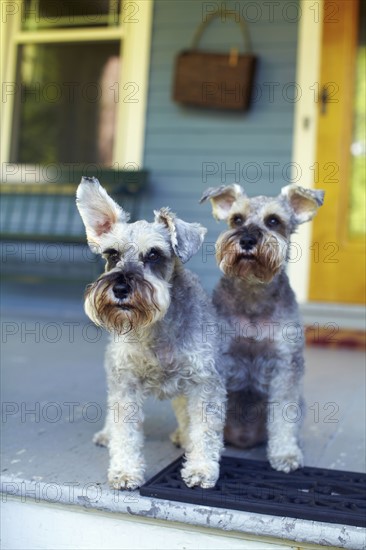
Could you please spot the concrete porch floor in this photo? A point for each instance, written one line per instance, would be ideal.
(53, 394)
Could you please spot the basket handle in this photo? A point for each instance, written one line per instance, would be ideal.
(244, 29)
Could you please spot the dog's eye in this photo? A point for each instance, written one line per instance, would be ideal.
(237, 220)
(153, 255)
(272, 221)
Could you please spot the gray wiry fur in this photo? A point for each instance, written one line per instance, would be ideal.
(261, 336)
(157, 345)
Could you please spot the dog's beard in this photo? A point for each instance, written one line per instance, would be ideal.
(147, 302)
(259, 265)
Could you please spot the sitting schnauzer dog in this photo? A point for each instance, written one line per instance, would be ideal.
(263, 354)
(155, 311)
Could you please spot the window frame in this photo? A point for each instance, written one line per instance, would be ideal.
(134, 34)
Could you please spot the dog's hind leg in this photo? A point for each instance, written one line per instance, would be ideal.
(180, 436)
(246, 419)
(102, 437)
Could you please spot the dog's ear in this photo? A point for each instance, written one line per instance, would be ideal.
(186, 238)
(303, 202)
(222, 199)
(98, 210)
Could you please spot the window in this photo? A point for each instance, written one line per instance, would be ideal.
(74, 80)
(41, 14)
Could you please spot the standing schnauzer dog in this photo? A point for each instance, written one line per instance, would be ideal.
(263, 355)
(155, 311)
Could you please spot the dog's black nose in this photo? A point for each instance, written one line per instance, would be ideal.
(249, 237)
(248, 242)
(121, 290)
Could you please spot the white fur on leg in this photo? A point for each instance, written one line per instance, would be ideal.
(283, 451)
(206, 412)
(126, 468)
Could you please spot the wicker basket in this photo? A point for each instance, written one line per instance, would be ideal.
(215, 80)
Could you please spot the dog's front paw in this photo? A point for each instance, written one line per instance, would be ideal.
(101, 438)
(118, 479)
(204, 475)
(287, 461)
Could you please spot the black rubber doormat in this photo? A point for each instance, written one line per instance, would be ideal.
(316, 494)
